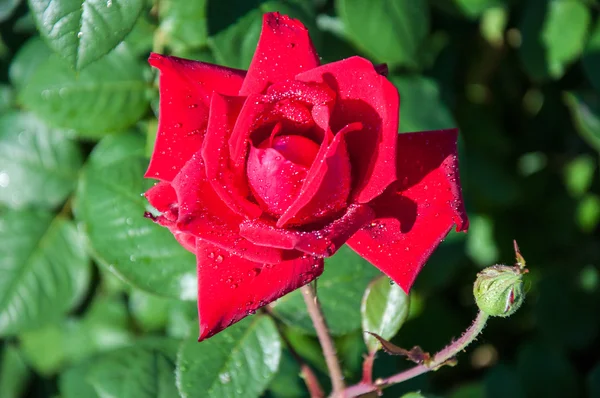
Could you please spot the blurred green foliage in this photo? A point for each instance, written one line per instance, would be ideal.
(520, 78)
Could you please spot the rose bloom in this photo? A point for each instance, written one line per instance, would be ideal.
(264, 173)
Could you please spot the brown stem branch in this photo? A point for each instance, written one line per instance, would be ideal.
(318, 320)
(438, 360)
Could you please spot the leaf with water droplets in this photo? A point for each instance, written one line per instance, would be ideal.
(82, 31)
(45, 269)
(108, 96)
(238, 362)
(111, 209)
(38, 164)
(144, 370)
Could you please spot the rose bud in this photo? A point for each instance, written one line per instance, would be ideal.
(498, 290)
(265, 172)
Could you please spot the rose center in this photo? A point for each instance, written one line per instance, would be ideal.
(295, 148)
(276, 170)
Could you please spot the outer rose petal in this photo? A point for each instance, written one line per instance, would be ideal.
(185, 90)
(284, 50)
(230, 185)
(162, 196)
(319, 243)
(231, 288)
(417, 212)
(367, 97)
(203, 214)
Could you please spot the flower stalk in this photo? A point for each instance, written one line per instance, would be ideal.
(316, 315)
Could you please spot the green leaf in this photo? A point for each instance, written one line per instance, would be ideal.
(384, 309)
(145, 370)
(481, 246)
(104, 327)
(579, 174)
(151, 312)
(234, 47)
(470, 390)
(390, 31)
(14, 373)
(345, 274)
(7, 7)
(591, 57)
(588, 212)
(27, 60)
(585, 111)
(238, 362)
(564, 34)
(288, 382)
(422, 107)
(183, 319)
(38, 164)
(6, 98)
(73, 383)
(110, 208)
(108, 96)
(44, 269)
(184, 24)
(554, 35)
(471, 9)
(82, 31)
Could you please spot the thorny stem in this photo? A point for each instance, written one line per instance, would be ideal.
(318, 320)
(438, 360)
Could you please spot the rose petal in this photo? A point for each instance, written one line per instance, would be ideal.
(275, 180)
(319, 243)
(327, 185)
(230, 185)
(231, 288)
(203, 214)
(163, 198)
(415, 214)
(284, 49)
(185, 90)
(367, 97)
(188, 241)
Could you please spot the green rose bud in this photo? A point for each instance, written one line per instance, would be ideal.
(498, 290)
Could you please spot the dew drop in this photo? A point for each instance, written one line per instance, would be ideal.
(224, 377)
(219, 259)
(211, 255)
(4, 179)
(79, 34)
(108, 3)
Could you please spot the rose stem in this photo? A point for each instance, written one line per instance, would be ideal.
(438, 359)
(312, 383)
(318, 320)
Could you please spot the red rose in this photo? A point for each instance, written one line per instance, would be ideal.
(266, 172)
